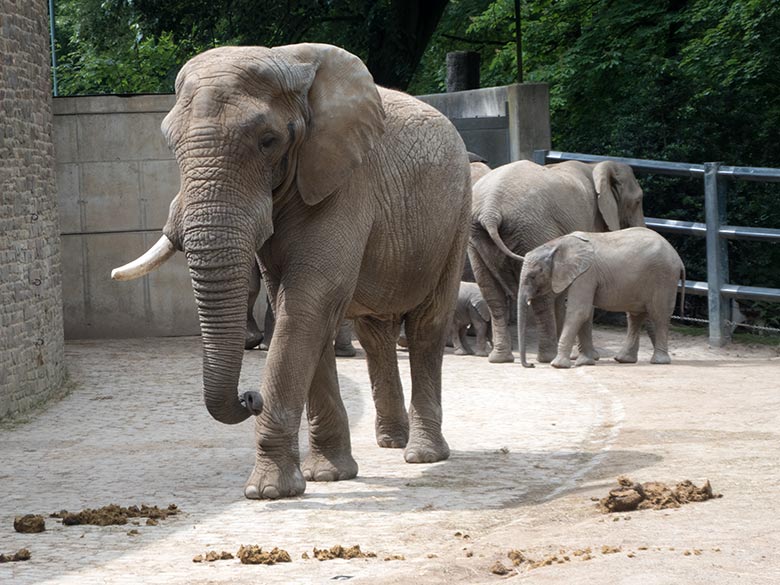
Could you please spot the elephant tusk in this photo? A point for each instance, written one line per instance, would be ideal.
(153, 258)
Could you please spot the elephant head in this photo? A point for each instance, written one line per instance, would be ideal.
(251, 128)
(619, 195)
(550, 268)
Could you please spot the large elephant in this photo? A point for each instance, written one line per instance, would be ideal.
(355, 199)
(522, 205)
(633, 270)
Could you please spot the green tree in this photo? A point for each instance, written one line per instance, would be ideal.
(102, 43)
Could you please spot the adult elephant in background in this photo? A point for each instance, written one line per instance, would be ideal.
(355, 199)
(522, 205)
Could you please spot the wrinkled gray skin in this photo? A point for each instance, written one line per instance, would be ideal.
(522, 205)
(633, 270)
(254, 337)
(470, 309)
(355, 199)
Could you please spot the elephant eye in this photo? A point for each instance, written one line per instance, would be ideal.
(267, 141)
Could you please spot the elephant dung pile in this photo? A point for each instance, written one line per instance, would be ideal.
(254, 555)
(29, 524)
(21, 555)
(114, 514)
(341, 552)
(653, 495)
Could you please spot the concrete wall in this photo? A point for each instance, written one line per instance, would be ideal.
(116, 178)
(502, 124)
(32, 366)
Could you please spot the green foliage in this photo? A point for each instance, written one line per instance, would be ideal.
(121, 46)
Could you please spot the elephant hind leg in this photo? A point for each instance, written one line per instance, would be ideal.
(378, 338)
(628, 352)
(658, 329)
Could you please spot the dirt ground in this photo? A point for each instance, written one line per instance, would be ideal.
(533, 451)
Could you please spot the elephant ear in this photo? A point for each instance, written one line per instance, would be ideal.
(572, 257)
(346, 118)
(604, 178)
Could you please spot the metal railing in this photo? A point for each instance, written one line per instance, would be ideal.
(715, 229)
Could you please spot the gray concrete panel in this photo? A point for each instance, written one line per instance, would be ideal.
(476, 103)
(65, 137)
(159, 185)
(125, 137)
(113, 104)
(110, 192)
(69, 193)
(161, 304)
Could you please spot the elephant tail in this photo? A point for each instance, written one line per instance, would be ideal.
(492, 230)
(682, 289)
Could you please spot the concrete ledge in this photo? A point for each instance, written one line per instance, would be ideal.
(112, 104)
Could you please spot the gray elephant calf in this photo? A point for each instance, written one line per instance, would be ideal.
(471, 309)
(633, 270)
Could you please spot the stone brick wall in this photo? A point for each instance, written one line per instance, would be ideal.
(32, 366)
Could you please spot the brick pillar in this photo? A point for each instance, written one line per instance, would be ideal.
(31, 332)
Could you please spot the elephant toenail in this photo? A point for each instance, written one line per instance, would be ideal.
(271, 493)
(251, 492)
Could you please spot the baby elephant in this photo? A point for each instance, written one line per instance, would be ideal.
(471, 309)
(633, 270)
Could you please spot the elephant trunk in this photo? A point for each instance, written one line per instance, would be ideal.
(220, 248)
(522, 322)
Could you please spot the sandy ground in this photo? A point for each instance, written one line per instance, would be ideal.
(531, 449)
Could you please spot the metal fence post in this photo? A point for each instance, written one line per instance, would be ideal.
(717, 255)
(540, 156)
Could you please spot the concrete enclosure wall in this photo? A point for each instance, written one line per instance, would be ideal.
(502, 124)
(117, 177)
(32, 367)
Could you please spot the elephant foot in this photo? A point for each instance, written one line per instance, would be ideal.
(660, 357)
(625, 358)
(329, 467)
(585, 360)
(481, 353)
(392, 435)
(562, 362)
(263, 347)
(253, 338)
(546, 356)
(427, 450)
(501, 357)
(345, 351)
(462, 351)
(271, 480)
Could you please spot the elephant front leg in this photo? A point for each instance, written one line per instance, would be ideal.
(288, 375)
(628, 352)
(277, 472)
(378, 338)
(587, 355)
(544, 310)
(575, 318)
(330, 451)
